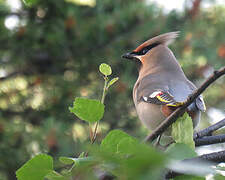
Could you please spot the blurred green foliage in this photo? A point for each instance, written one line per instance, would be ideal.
(51, 56)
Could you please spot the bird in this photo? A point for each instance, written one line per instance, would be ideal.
(161, 86)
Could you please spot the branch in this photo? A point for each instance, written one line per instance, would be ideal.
(208, 131)
(200, 140)
(216, 157)
(179, 111)
(210, 140)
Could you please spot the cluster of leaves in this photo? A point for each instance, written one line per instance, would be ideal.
(118, 154)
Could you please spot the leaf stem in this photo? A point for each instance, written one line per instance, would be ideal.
(93, 138)
(104, 89)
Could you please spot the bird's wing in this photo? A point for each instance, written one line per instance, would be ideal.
(161, 98)
(171, 92)
(181, 90)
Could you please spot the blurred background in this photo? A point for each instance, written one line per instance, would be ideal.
(50, 52)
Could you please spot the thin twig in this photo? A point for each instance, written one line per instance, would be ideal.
(210, 140)
(179, 111)
(95, 133)
(208, 131)
(102, 101)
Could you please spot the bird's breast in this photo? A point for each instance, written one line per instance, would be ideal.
(149, 114)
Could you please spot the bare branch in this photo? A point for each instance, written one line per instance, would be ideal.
(210, 140)
(179, 111)
(208, 131)
(217, 157)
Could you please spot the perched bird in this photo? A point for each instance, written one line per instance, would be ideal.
(161, 86)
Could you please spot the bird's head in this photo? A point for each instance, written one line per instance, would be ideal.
(142, 53)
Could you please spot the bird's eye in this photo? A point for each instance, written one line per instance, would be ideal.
(144, 51)
(147, 48)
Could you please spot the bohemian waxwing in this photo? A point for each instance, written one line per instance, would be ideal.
(161, 85)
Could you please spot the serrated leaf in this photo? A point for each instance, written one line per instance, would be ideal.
(36, 168)
(89, 110)
(55, 176)
(112, 81)
(66, 160)
(70, 160)
(179, 151)
(182, 131)
(110, 142)
(105, 69)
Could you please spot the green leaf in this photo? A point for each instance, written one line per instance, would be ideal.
(182, 131)
(180, 151)
(69, 160)
(143, 160)
(36, 168)
(131, 160)
(56, 176)
(89, 110)
(126, 145)
(126, 158)
(105, 69)
(66, 160)
(112, 81)
(110, 142)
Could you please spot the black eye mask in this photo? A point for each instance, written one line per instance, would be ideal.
(145, 49)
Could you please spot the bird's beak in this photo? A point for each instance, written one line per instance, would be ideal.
(129, 56)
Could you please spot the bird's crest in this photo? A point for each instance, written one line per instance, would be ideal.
(164, 39)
